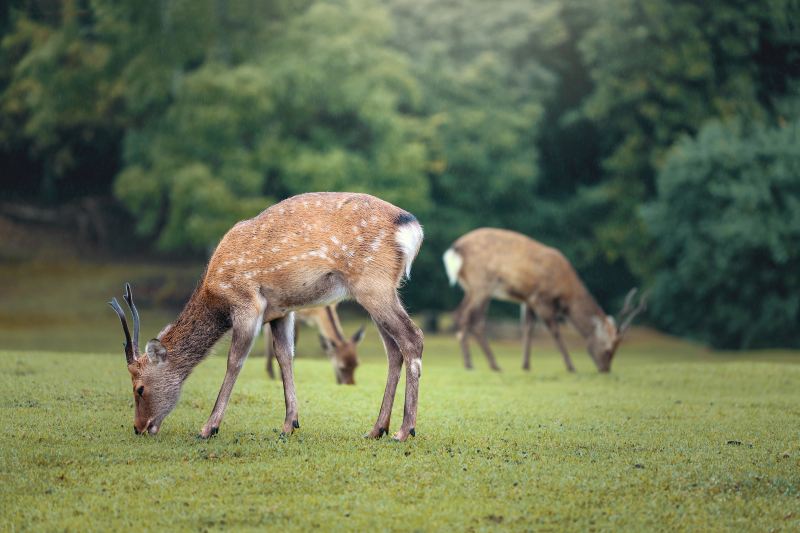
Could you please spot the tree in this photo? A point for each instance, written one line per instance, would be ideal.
(727, 224)
(326, 106)
(662, 69)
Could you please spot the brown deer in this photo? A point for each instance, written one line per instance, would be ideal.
(495, 263)
(340, 350)
(309, 250)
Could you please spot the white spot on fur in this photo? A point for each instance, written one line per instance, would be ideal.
(416, 366)
(409, 237)
(225, 285)
(359, 238)
(275, 249)
(281, 210)
(220, 270)
(376, 242)
(355, 229)
(334, 240)
(363, 223)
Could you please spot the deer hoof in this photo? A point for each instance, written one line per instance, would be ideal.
(207, 435)
(296, 424)
(376, 434)
(413, 432)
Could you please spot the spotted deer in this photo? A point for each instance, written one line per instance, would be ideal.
(340, 350)
(495, 263)
(309, 250)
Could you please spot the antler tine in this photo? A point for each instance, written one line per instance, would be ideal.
(135, 314)
(130, 357)
(642, 306)
(626, 307)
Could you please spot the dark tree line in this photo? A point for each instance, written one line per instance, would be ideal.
(655, 142)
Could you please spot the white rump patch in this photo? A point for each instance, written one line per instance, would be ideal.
(452, 265)
(409, 237)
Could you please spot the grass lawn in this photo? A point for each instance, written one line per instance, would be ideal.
(674, 438)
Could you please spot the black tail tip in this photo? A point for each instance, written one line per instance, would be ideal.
(404, 218)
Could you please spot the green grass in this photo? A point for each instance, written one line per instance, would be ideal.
(674, 438)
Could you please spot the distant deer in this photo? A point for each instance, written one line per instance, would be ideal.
(309, 250)
(494, 263)
(340, 350)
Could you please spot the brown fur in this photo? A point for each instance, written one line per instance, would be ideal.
(509, 266)
(309, 250)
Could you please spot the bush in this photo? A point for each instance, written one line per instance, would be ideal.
(727, 223)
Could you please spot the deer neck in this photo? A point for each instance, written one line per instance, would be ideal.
(198, 327)
(584, 313)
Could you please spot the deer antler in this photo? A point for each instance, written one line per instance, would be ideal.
(628, 312)
(130, 356)
(135, 314)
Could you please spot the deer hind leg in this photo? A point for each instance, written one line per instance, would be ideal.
(283, 333)
(395, 358)
(528, 319)
(393, 322)
(461, 319)
(245, 329)
(270, 355)
(478, 326)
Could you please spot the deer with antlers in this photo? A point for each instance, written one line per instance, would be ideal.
(341, 351)
(309, 250)
(505, 265)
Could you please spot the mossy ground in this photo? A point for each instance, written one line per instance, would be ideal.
(673, 438)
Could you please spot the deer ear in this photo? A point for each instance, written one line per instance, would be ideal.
(155, 351)
(358, 336)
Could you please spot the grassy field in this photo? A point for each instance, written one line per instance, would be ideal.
(674, 438)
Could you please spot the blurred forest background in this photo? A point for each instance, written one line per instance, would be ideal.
(656, 142)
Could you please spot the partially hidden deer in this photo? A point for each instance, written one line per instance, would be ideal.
(494, 263)
(310, 250)
(341, 351)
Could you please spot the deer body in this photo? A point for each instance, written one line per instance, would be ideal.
(340, 350)
(495, 263)
(309, 250)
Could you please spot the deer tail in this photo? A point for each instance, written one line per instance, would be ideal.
(452, 265)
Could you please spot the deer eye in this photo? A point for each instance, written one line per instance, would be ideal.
(140, 390)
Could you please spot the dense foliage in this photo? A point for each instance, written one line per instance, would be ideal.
(551, 117)
(727, 221)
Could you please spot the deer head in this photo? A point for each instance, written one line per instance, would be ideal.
(608, 335)
(156, 386)
(342, 353)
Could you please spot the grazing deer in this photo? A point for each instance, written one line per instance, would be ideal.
(340, 350)
(309, 250)
(494, 263)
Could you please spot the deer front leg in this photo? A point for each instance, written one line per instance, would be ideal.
(395, 359)
(528, 321)
(245, 330)
(552, 325)
(283, 335)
